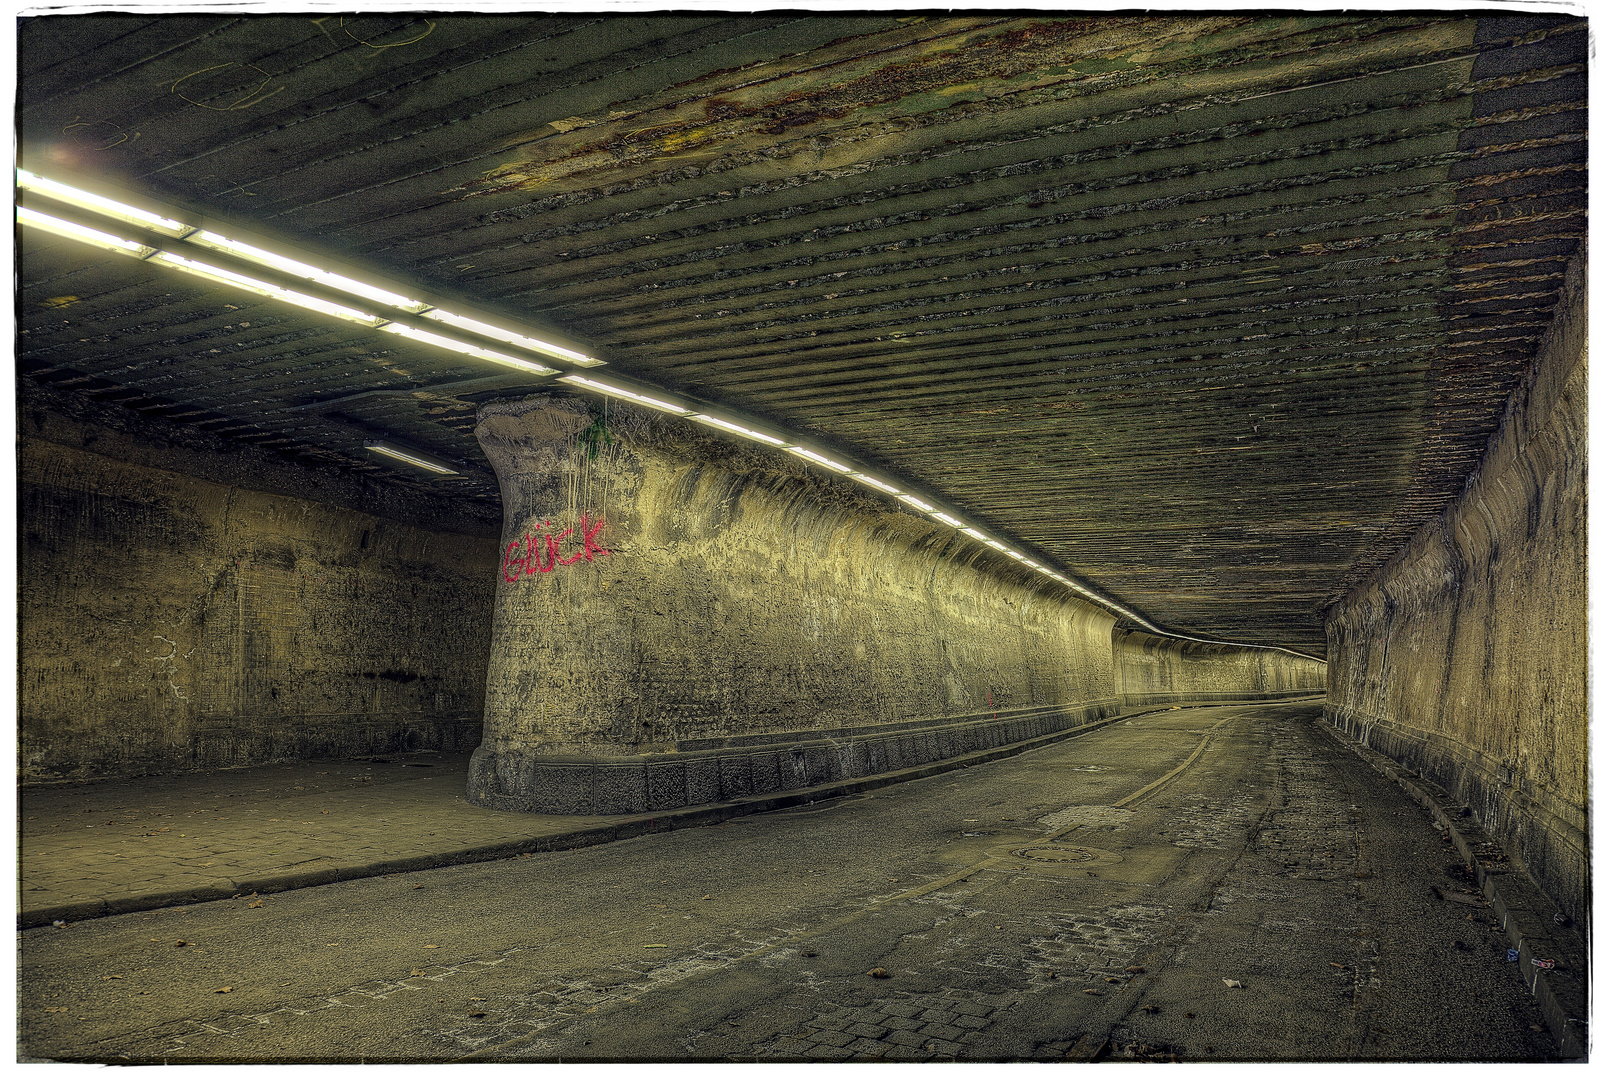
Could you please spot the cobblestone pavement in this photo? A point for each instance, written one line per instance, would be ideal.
(1221, 883)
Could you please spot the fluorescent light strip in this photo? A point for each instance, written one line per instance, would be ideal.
(411, 457)
(412, 332)
(865, 478)
(84, 200)
(263, 288)
(923, 507)
(945, 520)
(285, 264)
(71, 230)
(820, 459)
(251, 253)
(496, 333)
(736, 429)
(619, 391)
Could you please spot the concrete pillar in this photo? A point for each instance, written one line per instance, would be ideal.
(681, 619)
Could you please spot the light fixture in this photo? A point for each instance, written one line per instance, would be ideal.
(976, 534)
(918, 504)
(263, 288)
(295, 267)
(497, 333)
(82, 233)
(629, 395)
(467, 349)
(736, 429)
(98, 204)
(945, 520)
(865, 478)
(411, 457)
(820, 459)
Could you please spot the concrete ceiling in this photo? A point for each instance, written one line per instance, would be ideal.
(1212, 311)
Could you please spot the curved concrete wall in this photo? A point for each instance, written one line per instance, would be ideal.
(743, 626)
(169, 623)
(1151, 670)
(1465, 658)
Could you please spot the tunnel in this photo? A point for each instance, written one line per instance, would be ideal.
(795, 536)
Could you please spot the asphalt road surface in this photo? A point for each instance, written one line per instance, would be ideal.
(1209, 884)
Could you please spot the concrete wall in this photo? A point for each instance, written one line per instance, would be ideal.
(751, 627)
(1465, 658)
(1152, 670)
(170, 623)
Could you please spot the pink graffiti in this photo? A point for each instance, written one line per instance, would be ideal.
(540, 552)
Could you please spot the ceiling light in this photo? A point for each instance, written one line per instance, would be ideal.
(619, 391)
(975, 533)
(1001, 547)
(496, 333)
(411, 457)
(865, 478)
(264, 288)
(84, 200)
(737, 429)
(465, 348)
(820, 459)
(300, 269)
(920, 505)
(945, 520)
(82, 233)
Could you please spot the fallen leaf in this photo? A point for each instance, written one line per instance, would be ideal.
(179, 944)
(654, 946)
(1232, 984)
(415, 974)
(1340, 967)
(254, 903)
(1094, 993)
(224, 990)
(431, 946)
(104, 977)
(1110, 978)
(879, 973)
(707, 898)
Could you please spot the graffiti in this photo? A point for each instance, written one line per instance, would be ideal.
(541, 552)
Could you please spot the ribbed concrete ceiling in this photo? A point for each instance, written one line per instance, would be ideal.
(1212, 311)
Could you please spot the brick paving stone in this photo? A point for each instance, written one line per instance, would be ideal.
(969, 1008)
(937, 1016)
(868, 1031)
(867, 1046)
(838, 1053)
(832, 1038)
(906, 1038)
(903, 1008)
(907, 1053)
(943, 1047)
(974, 1023)
(942, 1031)
(901, 1023)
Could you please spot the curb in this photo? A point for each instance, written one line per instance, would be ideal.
(1564, 1004)
(591, 836)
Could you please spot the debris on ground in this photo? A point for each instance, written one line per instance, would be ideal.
(1232, 984)
(879, 973)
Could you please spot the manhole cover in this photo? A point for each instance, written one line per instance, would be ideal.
(1056, 853)
(1045, 856)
